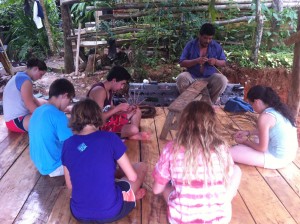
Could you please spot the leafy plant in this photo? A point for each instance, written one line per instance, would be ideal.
(23, 38)
(81, 14)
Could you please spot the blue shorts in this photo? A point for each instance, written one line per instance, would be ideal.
(128, 204)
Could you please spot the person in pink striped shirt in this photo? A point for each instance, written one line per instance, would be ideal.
(195, 172)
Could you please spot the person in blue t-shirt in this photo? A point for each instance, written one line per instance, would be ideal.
(48, 129)
(201, 56)
(89, 158)
(18, 99)
(275, 142)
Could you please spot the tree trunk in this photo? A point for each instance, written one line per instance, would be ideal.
(258, 31)
(275, 26)
(68, 51)
(294, 94)
(48, 29)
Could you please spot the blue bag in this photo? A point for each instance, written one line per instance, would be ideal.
(237, 105)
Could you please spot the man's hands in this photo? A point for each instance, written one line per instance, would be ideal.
(210, 61)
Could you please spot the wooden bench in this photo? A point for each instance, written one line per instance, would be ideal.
(196, 91)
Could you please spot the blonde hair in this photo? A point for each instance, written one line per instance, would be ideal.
(198, 134)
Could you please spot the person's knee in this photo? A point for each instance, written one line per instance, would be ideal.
(223, 81)
(183, 82)
(129, 130)
(220, 80)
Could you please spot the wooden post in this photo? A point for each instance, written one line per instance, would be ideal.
(77, 50)
(258, 31)
(48, 28)
(294, 93)
(66, 25)
(4, 60)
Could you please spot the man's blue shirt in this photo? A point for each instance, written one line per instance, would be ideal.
(192, 51)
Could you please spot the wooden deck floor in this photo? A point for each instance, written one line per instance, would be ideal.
(265, 196)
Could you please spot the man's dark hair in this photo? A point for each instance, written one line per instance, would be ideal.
(61, 86)
(119, 73)
(34, 62)
(207, 29)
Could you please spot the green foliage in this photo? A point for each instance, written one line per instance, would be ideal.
(286, 20)
(24, 39)
(81, 14)
(279, 57)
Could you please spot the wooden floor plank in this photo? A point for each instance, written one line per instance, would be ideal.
(61, 209)
(3, 130)
(10, 149)
(41, 200)
(240, 213)
(263, 204)
(133, 152)
(229, 127)
(247, 119)
(297, 159)
(283, 191)
(154, 208)
(171, 133)
(291, 174)
(15, 187)
(159, 121)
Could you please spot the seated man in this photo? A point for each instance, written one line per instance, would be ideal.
(200, 56)
(48, 129)
(123, 118)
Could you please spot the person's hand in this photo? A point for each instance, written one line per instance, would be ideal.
(132, 108)
(123, 107)
(240, 140)
(241, 136)
(202, 60)
(212, 61)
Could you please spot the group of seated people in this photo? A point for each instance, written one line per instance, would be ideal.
(195, 173)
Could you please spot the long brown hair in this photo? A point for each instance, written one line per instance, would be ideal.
(198, 134)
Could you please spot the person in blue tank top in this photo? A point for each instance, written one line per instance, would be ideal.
(90, 158)
(276, 141)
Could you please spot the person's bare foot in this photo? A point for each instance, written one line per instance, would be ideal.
(140, 193)
(142, 136)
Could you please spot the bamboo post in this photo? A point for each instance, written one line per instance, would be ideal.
(77, 50)
(5, 61)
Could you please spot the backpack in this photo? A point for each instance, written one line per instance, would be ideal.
(237, 105)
